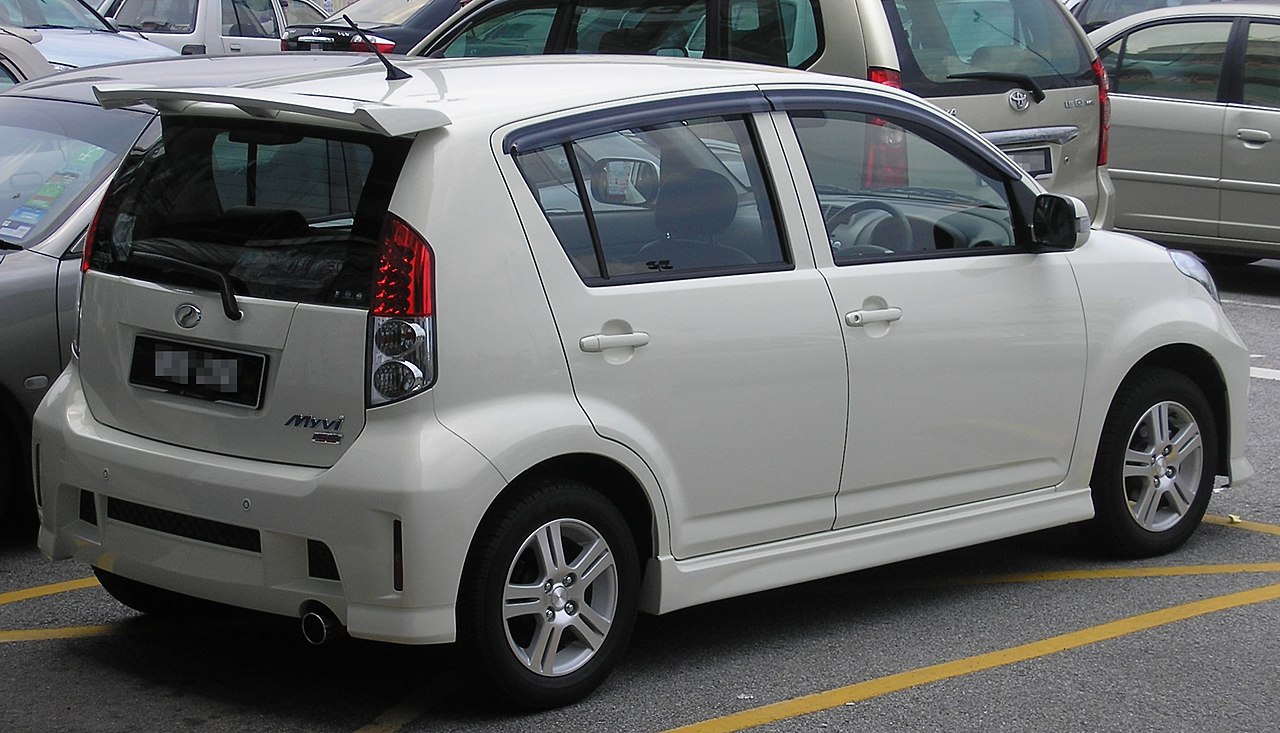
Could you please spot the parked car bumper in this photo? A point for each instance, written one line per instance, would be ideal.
(188, 521)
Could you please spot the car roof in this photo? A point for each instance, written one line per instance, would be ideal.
(1249, 8)
(77, 85)
(499, 90)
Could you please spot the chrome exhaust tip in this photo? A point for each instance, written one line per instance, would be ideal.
(319, 625)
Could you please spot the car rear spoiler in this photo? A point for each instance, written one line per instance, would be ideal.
(378, 117)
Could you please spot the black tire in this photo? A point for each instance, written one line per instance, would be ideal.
(590, 618)
(154, 601)
(1155, 467)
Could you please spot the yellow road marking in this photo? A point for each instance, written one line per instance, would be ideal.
(409, 710)
(913, 678)
(46, 590)
(1242, 524)
(66, 632)
(1104, 574)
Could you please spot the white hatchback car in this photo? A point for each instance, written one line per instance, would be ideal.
(505, 352)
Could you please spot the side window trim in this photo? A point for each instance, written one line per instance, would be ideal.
(568, 129)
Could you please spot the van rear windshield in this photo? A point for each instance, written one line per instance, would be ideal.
(938, 40)
(282, 211)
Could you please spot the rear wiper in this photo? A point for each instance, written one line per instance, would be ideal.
(1022, 80)
(229, 305)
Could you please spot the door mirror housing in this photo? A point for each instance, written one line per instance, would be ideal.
(1059, 222)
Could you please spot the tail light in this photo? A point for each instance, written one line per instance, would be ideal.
(401, 351)
(885, 155)
(887, 77)
(89, 236)
(382, 44)
(1104, 110)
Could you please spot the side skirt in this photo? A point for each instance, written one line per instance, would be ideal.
(672, 584)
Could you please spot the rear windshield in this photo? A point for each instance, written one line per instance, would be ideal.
(962, 47)
(53, 156)
(284, 212)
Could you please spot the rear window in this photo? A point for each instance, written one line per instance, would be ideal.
(53, 156)
(961, 47)
(283, 212)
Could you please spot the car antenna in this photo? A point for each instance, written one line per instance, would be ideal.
(393, 73)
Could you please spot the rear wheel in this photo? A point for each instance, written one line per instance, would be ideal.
(549, 595)
(1155, 468)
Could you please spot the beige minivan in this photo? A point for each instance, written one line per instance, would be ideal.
(1019, 71)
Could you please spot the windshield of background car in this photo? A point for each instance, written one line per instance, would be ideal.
(938, 40)
(53, 156)
(777, 32)
(157, 16)
(378, 11)
(51, 14)
(285, 212)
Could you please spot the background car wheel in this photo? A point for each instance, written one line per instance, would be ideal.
(151, 600)
(1155, 467)
(549, 595)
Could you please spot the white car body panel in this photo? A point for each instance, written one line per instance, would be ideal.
(515, 390)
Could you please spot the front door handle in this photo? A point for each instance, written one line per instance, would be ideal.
(596, 343)
(879, 315)
(1253, 136)
(233, 47)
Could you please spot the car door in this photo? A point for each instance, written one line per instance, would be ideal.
(1251, 141)
(1165, 81)
(709, 350)
(966, 350)
(250, 26)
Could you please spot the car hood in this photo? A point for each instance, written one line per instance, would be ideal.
(76, 48)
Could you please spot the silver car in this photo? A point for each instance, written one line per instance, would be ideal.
(1195, 112)
(1019, 71)
(19, 61)
(58, 147)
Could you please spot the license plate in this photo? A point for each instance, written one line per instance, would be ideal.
(1035, 161)
(200, 372)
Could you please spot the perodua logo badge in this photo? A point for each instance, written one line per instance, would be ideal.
(1019, 100)
(187, 315)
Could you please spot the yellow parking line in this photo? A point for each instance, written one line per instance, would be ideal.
(1236, 522)
(68, 632)
(27, 594)
(913, 678)
(1104, 574)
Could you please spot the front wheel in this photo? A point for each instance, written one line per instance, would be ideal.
(549, 595)
(1155, 467)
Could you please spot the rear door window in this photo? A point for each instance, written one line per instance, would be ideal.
(283, 212)
(1172, 60)
(961, 47)
(678, 199)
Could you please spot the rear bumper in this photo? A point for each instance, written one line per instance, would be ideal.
(247, 533)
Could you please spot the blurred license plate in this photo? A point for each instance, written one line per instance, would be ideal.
(196, 371)
(1035, 161)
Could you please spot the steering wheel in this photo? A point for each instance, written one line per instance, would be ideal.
(851, 228)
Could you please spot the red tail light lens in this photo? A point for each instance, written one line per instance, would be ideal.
(887, 77)
(402, 282)
(1104, 110)
(401, 350)
(88, 241)
(381, 44)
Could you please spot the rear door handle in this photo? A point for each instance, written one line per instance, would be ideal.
(596, 343)
(879, 315)
(1253, 136)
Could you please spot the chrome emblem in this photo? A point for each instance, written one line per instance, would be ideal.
(187, 315)
(1019, 100)
(315, 31)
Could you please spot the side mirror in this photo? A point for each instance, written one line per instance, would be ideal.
(626, 181)
(1059, 222)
